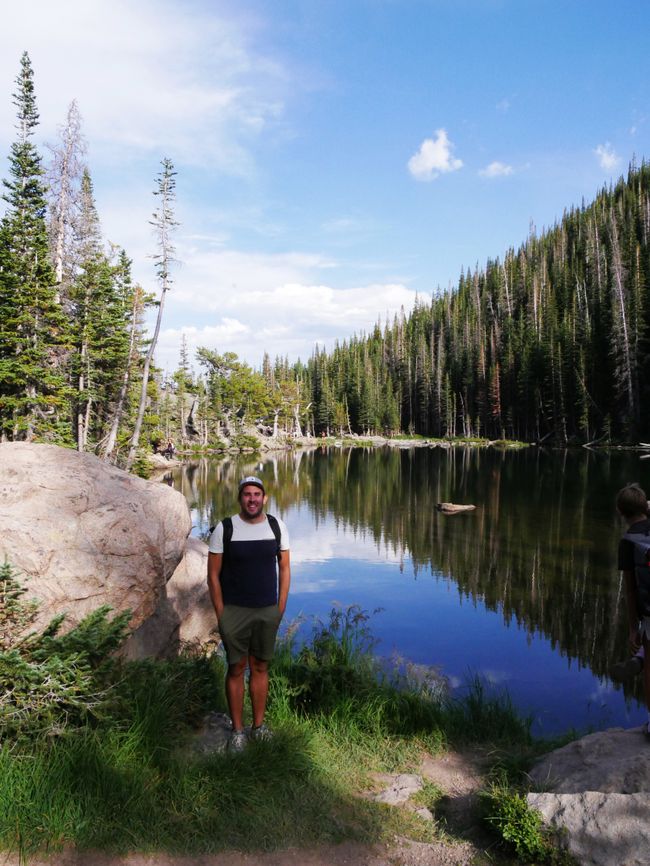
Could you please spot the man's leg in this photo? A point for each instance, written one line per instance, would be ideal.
(258, 687)
(235, 693)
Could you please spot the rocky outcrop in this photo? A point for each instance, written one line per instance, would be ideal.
(597, 793)
(184, 613)
(84, 533)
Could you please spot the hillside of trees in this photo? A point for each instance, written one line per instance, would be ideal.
(550, 343)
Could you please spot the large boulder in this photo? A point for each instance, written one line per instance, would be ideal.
(85, 533)
(596, 793)
(184, 614)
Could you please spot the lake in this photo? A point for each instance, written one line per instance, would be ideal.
(523, 591)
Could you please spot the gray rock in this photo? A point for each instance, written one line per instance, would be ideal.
(84, 533)
(600, 829)
(616, 761)
(597, 796)
(184, 613)
(213, 735)
(399, 789)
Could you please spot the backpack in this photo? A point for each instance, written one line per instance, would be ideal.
(641, 543)
(227, 533)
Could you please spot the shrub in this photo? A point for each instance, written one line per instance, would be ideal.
(49, 681)
(245, 441)
(141, 465)
(507, 813)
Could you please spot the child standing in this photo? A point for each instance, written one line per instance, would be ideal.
(632, 505)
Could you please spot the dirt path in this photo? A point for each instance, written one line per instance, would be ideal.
(402, 853)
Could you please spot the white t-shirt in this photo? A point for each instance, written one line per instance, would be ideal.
(242, 530)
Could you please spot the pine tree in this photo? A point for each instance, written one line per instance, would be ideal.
(101, 324)
(33, 328)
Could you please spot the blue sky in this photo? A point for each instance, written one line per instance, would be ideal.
(335, 158)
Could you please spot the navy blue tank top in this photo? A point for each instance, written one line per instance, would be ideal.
(249, 576)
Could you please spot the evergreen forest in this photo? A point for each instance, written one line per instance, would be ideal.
(549, 342)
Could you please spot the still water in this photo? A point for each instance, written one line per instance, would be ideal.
(522, 592)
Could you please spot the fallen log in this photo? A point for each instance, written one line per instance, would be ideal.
(451, 508)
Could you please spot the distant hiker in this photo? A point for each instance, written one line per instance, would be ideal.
(633, 548)
(248, 577)
(169, 449)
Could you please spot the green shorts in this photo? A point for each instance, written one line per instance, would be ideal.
(249, 631)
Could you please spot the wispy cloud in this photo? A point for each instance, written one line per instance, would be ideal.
(434, 158)
(607, 156)
(147, 79)
(503, 105)
(496, 169)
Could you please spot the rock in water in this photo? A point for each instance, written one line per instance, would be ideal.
(84, 533)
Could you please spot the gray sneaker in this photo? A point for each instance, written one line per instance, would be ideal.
(237, 741)
(262, 733)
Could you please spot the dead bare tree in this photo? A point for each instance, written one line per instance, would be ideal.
(164, 223)
(64, 182)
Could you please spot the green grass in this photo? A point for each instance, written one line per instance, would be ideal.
(126, 781)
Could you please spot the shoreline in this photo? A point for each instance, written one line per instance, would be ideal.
(266, 444)
(284, 443)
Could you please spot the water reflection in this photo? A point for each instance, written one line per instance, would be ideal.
(525, 588)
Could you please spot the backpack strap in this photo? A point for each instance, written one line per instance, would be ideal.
(275, 526)
(227, 534)
(227, 531)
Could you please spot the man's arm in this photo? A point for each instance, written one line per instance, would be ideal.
(215, 561)
(284, 580)
(632, 608)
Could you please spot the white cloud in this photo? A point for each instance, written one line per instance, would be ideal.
(252, 303)
(607, 156)
(434, 158)
(503, 105)
(148, 78)
(496, 169)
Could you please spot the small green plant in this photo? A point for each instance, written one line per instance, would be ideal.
(507, 813)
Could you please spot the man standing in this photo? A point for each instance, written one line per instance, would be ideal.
(249, 598)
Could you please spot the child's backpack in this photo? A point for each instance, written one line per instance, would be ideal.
(641, 543)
